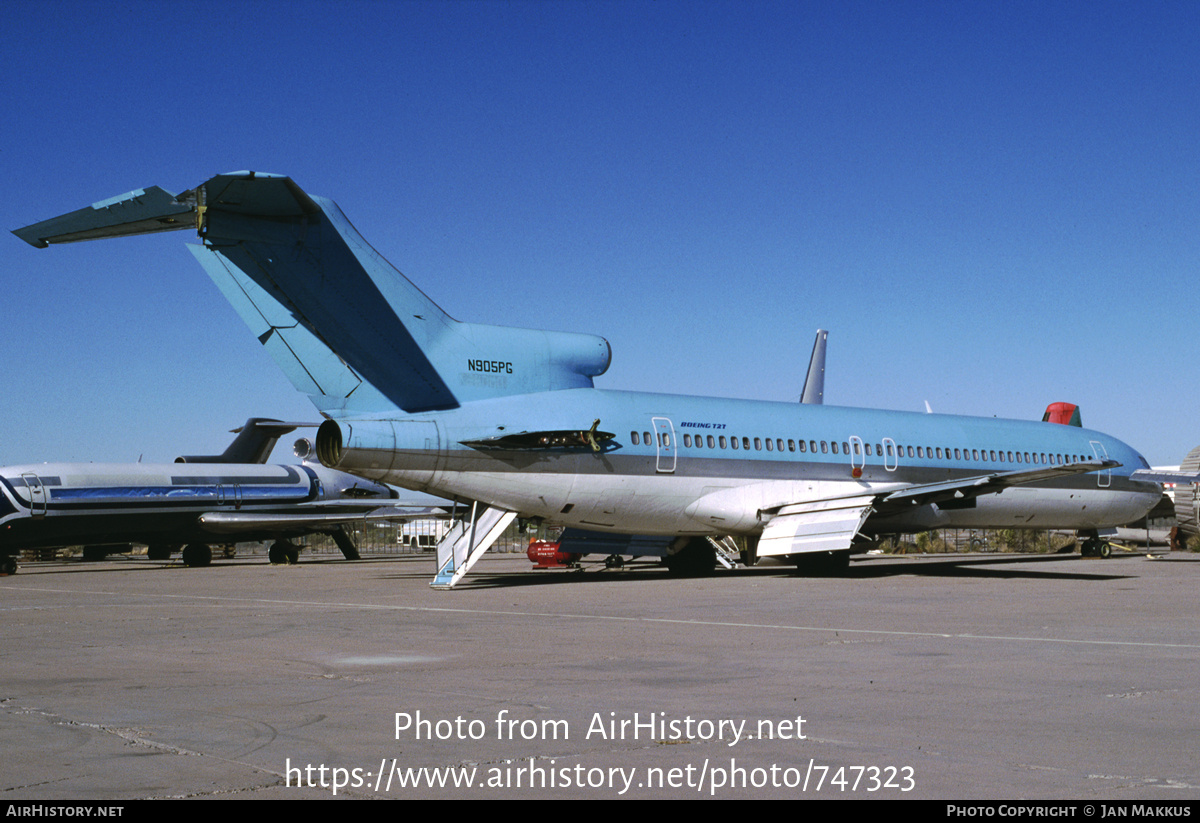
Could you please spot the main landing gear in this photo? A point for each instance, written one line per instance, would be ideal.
(1094, 546)
(694, 557)
(196, 555)
(283, 553)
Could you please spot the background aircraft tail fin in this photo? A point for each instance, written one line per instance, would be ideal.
(814, 382)
(253, 444)
(1066, 414)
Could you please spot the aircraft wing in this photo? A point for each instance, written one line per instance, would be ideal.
(969, 487)
(1160, 476)
(832, 523)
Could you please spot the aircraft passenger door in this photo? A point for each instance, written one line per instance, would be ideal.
(1104, 478)
(664, 440)
(37, 494)
(858, 455)
(891, 454)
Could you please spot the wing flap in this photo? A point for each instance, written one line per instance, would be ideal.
(815, 526)
(832, 523)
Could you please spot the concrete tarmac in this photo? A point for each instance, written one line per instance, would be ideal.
(966, 677)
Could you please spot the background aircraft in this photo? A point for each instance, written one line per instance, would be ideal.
(195, 502)
(510, 419)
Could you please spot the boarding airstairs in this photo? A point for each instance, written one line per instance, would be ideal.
(728, 554)
(467, 541)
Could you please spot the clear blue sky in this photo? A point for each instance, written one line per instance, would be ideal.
(990, 205)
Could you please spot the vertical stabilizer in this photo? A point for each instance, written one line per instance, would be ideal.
(343, 324)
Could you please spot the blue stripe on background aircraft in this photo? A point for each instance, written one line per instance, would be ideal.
(197, 501)
(509, 420)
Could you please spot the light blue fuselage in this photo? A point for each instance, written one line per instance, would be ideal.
(673, 467)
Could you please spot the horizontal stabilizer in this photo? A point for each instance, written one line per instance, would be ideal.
(143, 211)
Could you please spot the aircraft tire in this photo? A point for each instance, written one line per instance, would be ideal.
(158, 551)
(94, 553)
(1104, 550)
(196, 555)
(697, 558)
(8, 565)
(283, 553)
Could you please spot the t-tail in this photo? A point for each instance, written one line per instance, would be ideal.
(254, 442)
(291, 264)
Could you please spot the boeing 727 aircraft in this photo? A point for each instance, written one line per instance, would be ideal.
(194, 502)
(509, 419)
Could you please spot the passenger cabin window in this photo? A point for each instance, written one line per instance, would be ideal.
(723, 444)
(734, 442)
(633, 438)
(710, 441)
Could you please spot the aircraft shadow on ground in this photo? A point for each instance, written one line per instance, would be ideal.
(1002, 568)
(1048, 567)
